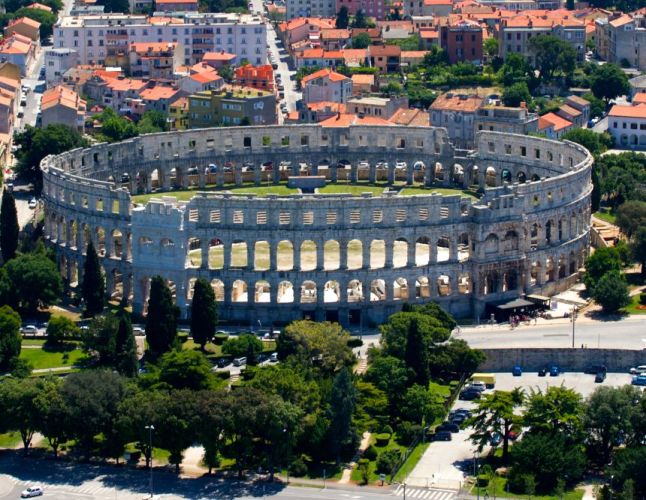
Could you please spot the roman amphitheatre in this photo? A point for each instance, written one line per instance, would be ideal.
(344, 224)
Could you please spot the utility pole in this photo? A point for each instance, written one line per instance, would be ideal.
(574, 314)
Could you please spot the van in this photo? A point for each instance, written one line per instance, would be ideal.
(489, 379)
(240, 361)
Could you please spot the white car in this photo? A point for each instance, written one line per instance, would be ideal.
(32, 491)
(31, 329)
(637, 370)
(33, 203)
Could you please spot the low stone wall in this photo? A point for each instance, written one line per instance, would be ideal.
(616, 360)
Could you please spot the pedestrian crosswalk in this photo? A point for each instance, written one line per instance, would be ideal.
(424, 493)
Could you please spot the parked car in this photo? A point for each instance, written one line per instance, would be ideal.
(469, 395)
(542, 372)
(262, 358)
(600, 377)
(496, 439)
(273, 358)
(223, 362)
(457, 419)
(448, 426)
(32, 491)
(594, 369)
(554, 371)
(33, 203)
(462, 411)
(29, 329)
(442, 436)
(477, 386)
(240, 361)
(213, 168)
(639, 380)
(638, 370)
(517, 371)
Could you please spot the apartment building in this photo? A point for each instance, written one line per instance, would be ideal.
(104, 37)
(435, 8)
(505, 119)
(154, 60)
(386, 58)
(457, 114)
(7, 110)
(372, 8)
(627, 125)
(326, 86)
(57, 62)
(382, 107)
(255, 77)
(231, 106)
(19, 50)
(621, 38)
(310, 8)
(24, 26)
(64, 106)
(462, 41)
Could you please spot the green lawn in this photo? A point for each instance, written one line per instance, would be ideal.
(411, 191)
(51, 358)
(10, 440)
(279, 189)
(606, 216)
(498, 486)
(633, 307)
(210, 348)
(355, 189)
(410, 463)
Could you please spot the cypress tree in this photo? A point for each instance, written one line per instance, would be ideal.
(417, 356)
(204, 314)
(8, 226)
(125, 347)
(161, 322)
(93, 286)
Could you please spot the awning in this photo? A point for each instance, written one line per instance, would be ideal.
(515, 304)
(542, 298)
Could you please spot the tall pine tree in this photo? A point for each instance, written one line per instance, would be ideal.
(161, 322)
(93, 286)
(125, 347)
(343, 399)
(204, 313)
(417, 353)
(8, 226)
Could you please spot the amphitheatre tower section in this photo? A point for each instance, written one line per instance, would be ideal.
(404, 217)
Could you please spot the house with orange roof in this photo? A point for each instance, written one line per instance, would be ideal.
(386, 58)
(39, 6)
(303, 29)
(176, 5)
(113, 92)
(411, 117)
(344, 120)
(327, 86)
(256, 77)
(19, 50)
(334, 39)
(627, 125)
(622, 37)
(160, 97)
(178, 114)
(354, 58)
(193, 82)
(553, 125)
(154, 60)
(315, 112)
(62, 105)
(410, 58)
(219, 59)
(319, 57)
(24, 26)
(456, 113)
(429, 37)
(362, 84)
(382, 107)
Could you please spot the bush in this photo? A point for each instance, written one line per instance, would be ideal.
(370, 453)
(642, 298)
(387, 429)
(388, 460)
(298, 468)
(219, 338)
(224, 375)
(382, 439)
(521, 483)
(354, 342)
(407, 432)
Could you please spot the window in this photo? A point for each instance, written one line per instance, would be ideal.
(238, 217)
(633, 126)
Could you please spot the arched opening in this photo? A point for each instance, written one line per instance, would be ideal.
(490, 283)
(218, 289)
(490, 177)
(261, 256)
(308, 255)
(74, 228)
(509, 280)
(505, 175)
(239, 292)
(491, 244)
(439, 172)
(156, 179)
(285, 255)
(464, 247)
(422, 288)
(400, 289)
(535, 273)
(194, 253)
(419, 171)
(422, 251)
(262, 292)
(239, 254)
(216, 254)
(457, 176)
(172, 286)
(116, 294)
(464, 284)
(533, 236)
(510, 242)
(377, 290)
(331, 255)
(355, 291)
(285, 293)
(355, 254)
(549, 228)
(522, 178)
(166, 246)
(573, 266)
(443, 249)
(443, 285)
(117, 244)
(550, 270)
(100, 242)
(331, 292)
(377, 254)
(562, 267)
(400, 252)
(535, 177)
(190, 290)
(308, 292)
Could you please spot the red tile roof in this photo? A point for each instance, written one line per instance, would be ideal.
(559, 123)
(323, 73)
(623, 111)
(345, 120)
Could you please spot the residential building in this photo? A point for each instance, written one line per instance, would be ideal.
(178, 114)
(315, 112)
(175, 5)
(303, 29)
(428, 38)
(382, 107)
(320, 58)
(334, 39)
(625, 36)
(348, 119)
(627, 125)
(462, 41)
(139, 6)
(113, 92)
(108, 36)
(436, 8)
(232, 106)
(637, 85)
(410, 117)
(219, 59)
(582, 105)
(376, 9)
(255, 77)
(57, 62)
(362, 84)
(327, 86)
(200, 81)
(39, 6)
(19, 50)
(553, 125)
(512, 5)
(310, 8)
(456, 113)
(24, 26)
(154, 60)
(62, 105)
(505, 119)
(159, 97)
(386, 58)
(7, 110)
(411, 58)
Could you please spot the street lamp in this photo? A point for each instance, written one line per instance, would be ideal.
(150, 429)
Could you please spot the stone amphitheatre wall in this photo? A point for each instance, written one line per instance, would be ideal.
(350, 258)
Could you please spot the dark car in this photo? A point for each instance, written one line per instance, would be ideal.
(262, 358)
(594, 369)
(469, 395)
(517, 371)
(457, 419)
(554, 371)
(600, 377)
(542, 372)
(448, 426)
(496, 439)
(222, 362)
(442, 436)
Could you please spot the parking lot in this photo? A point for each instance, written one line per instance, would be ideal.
(445, 464)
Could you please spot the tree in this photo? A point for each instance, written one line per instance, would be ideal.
(490, 47)
(204, 313)
(630, 216)
(495, 415)
(161, 322)
(551, 55)
(597, 106)
(53, 413)
(153, 121)
(176, 430)
(557, 411)
(597, 264)
(342, 404)
(421, 406)
(594, 142)
(115, 128)
(10, 338)
(93, 285)
(395, 331)
(611, 292)
(391, 375)
(628, 469)
(60, 329)
(454, 358)
(609, 81)
(435, 57)
(247, 345)
(186, 370)
(361, 41)
(360, 20)
(8, 226)
(33, 281)
(17, 407)
(100, 340)
(342, 18)
(638, 248)
(516, 94)
(213, 418)
(125, 347)
(416, 356)
(115, 5)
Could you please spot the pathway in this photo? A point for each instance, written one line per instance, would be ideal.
(347, 472)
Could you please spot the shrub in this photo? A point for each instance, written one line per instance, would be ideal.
(354, 342)
(298, 468)
(521, 483)
(219, 338)
(387, 461)
(407, 432)
(370, 453)
(382, 439)
(387, 429)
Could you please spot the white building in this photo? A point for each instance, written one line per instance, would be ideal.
(627, 124)
(57, 62)
(310, 8)
(96, 38)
